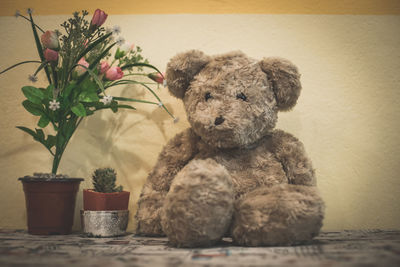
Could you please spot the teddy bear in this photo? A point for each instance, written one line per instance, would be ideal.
(232, 174)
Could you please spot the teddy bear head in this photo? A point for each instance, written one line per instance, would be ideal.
(232, 100)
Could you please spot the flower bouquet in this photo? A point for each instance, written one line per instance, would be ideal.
(81, 65)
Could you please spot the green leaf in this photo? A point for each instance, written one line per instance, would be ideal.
(33, 94)
(88, 97)
(89, 86)
(51, 141)
(79, 110)
(114, 106)
(134, 100)
(40, 135)
(89, 112)
(119, 54)
(33, 108)
(49, 91)
(140, 65)
(126, 106)
(29, 131)
(67, 91)
(39, 46)
(44, 121)
(20, 63)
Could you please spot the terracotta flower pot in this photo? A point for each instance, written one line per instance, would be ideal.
(50, 204)
(93, 200)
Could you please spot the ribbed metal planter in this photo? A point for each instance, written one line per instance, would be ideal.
(106, 223)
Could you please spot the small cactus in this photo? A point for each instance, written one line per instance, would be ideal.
(104, 181)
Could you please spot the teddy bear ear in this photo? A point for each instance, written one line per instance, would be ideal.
(285, 81)
(182, 68)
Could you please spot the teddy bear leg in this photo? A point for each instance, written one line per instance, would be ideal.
(278, 216)
(198, 208)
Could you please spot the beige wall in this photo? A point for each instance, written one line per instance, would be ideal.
(347, 115)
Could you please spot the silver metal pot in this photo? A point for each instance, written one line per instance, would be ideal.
(106, 223)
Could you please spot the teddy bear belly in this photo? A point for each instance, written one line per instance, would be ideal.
(249, 171)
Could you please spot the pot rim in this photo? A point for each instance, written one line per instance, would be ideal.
(92, 191)
(32, 179)
(105, 212)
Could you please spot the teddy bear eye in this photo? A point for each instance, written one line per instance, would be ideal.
(207, 96)
(241, 96)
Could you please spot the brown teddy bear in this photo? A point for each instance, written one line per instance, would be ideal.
(231, 173)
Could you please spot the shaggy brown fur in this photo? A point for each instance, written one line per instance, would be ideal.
(231, 172)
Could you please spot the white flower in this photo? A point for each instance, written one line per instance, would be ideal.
(17, 14)
(116, 30)
(126, 47)
(33, 78)
(54, 105)
(107, 99)
(160, 104)
(176, 119)
(29, 10)
(120, 41)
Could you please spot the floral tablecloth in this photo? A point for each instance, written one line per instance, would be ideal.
(345, 248)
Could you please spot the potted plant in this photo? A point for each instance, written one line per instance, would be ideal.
(105, 208)
(105, 195)
(81, 65)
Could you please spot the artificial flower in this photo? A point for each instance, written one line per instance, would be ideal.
(50, 40)
(107, 99)
(116, 29)
(127, 47)
(50, 55)
(104, 67)
(114, 73)
(33, 78)
(120, 41)
(54, 105)
(99, 17)
(79, 69)
(157, 77)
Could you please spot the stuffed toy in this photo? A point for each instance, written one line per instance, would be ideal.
(231, 173)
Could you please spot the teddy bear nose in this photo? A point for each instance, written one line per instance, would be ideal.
(219, 120)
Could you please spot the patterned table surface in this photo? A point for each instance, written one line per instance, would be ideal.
(345, 248)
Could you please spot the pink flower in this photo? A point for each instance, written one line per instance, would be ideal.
(114, 73)
(50, 40)
(99, 17)
(50, 55)
(104, 67)
(157, 77)
(79, 69)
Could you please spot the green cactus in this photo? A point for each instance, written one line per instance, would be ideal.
(104, 181)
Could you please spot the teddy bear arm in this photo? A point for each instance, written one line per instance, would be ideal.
(295, 162)
(174, 156)
(148, 213)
